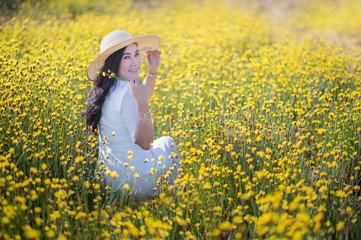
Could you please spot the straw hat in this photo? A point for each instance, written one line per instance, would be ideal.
(117, 40)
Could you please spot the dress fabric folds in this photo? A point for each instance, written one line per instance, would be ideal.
(121, 161)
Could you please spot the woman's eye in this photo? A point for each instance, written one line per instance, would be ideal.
(137, 54)
(126, 57)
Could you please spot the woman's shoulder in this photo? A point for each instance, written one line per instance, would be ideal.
(116, 94)
(120, 87)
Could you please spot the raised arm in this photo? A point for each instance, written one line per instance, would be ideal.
(144, 134)
(153, 59)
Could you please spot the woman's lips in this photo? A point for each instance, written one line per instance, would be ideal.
(134, 70)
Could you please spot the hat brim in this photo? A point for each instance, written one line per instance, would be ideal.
(145, 43)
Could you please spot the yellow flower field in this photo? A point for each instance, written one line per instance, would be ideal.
(267, 120)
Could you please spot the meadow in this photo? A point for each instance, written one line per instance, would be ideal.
(266, 115)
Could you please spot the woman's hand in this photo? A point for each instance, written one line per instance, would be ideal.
(144, 134)
(153, 59)
(140, 92)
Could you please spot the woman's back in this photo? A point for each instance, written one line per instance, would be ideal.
(118, 151)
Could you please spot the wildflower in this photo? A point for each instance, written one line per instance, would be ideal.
(43, 166)
(75, 179)
(79, 159)
(237, 220)
(50, 233)
(226, 226)
(207, 186)
(114, 174)
(33, 195)
(31, 233)
(96, 186)
(5, 220)
(321, 131)
(340, 226)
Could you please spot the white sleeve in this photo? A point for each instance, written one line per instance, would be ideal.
(129, 111)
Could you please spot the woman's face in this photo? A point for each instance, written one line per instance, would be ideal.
(130, 63)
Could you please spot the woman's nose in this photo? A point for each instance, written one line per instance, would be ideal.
(134, 62)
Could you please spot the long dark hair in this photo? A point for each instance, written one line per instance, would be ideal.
(100, 90)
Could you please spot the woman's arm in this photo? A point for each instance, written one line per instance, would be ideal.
(149, 81)
(153, 59)
(144, 134)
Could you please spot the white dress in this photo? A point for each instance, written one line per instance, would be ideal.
(121, 161)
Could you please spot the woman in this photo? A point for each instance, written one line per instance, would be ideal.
(118, 109)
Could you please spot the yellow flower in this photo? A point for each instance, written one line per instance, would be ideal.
(75, 179)
(62, 237)
(114, 174)
(207, 186)
(321, 131)
(33, 195)
(31, 233)
(340, 226)
(226, 226)
(50, 233)
(5, 220)
(43, 166)
(79, 159)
